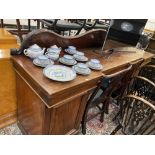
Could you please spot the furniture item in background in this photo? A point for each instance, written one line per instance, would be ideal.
(126, 30)
(17, 29)
(7, 40)
(137, 117)
(142, 87)
(60, 26)
(148, 71)
(151, 46)
(101, 96)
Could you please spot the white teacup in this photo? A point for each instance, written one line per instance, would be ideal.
(79, 55)
(43, 60)
(52, 55)
(68, 58)
(71, 48)
(82, 67)
(95, 62)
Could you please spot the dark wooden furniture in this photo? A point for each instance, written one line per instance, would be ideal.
(148, 71)
(142, 87)
(49, 107)
(59, 26)
(137, 117)
(101, 96)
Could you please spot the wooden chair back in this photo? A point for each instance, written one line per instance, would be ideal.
(137, 116)
(148, 71)
(142, 87)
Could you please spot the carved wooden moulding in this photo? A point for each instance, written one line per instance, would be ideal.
(46, 38)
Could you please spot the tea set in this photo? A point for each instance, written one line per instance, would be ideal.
(81, 68)
(68, 60)
(34, 51)
(42, 61)
(45, 59)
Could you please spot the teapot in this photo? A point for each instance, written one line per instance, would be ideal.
(34, 51)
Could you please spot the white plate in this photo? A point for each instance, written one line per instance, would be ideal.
(84, 59)
(59, 73)
(70, 52)
(93, 67)
(36, 62)
(79, 72)
(67, 63)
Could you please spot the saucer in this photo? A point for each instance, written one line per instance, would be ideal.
(94, 67)
(37, 63)
(70, 52)
(87, 72)
(83, 59)
(67, 63)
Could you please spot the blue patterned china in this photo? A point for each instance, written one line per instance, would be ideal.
(59, 73)
(54, 49)
(34, 51)
(42, 61)
(71, 50)
(79, 56)
(52, 55)
(94, 64)
(82, 69)
(67, 60)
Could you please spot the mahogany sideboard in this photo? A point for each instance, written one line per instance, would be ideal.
(49, 107)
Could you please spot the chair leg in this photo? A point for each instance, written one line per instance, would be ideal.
(116, 129)
(19, 30)
(102, 114)
(116, 116)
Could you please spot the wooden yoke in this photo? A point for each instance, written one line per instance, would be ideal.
(46, 38)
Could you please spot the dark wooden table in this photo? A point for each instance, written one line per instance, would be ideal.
(50, 107)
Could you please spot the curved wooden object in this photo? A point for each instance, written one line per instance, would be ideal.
(46, 38)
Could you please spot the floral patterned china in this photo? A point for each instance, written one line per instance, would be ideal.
(82, 69)
(42, 61)
(52, 55)
(71, 50)
(59, 73)
(94, 64)
(79, 56)
(34, 51)
(68, 60)
(54, 49)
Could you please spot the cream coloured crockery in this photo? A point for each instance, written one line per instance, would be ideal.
(54, 49)
(34, 51)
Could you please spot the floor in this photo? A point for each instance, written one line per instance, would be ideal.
(94, 127)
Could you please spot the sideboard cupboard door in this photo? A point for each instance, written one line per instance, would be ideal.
(65, 117)
(31, 109)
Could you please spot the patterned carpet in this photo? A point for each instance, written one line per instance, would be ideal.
(94, 126)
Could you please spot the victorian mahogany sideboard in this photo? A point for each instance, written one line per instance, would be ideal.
(49, 107)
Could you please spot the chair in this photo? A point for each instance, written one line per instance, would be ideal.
(142, 87)
(118, 94)
(17, 30)
(137, 117)
(148, 71)
(101, 96)
(60, 26)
